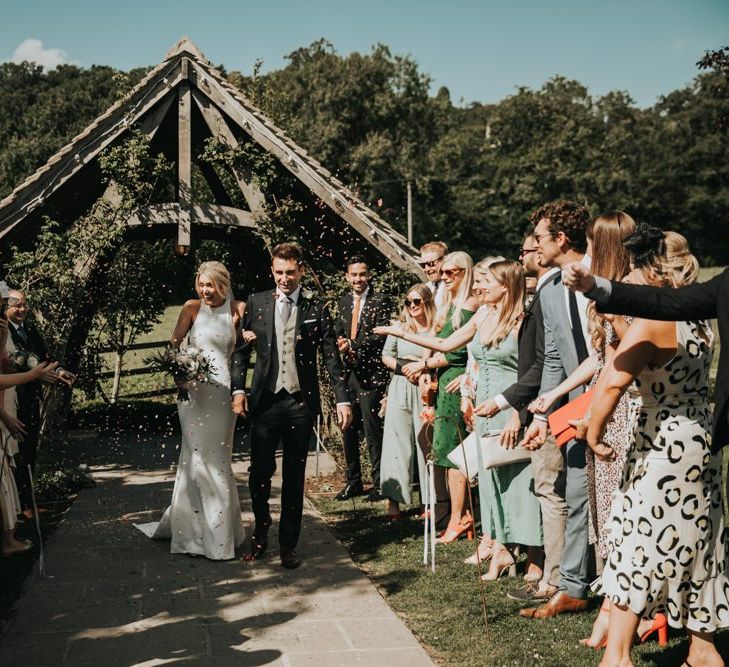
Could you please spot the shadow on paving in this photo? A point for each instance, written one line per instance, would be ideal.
(113, 597)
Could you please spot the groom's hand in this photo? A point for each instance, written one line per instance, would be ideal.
(344, 416)
(240, 405)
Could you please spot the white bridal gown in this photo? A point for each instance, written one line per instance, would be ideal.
(204, 517)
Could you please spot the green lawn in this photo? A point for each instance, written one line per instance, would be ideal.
(141, 383)
(444, 609)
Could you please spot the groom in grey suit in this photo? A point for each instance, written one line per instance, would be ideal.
(561, 229)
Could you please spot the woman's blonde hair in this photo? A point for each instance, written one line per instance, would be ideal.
(460, 260)
(218, 274)
(483, 265)
(676, 265)
(509, 274)
(428, 305)
(610, 259)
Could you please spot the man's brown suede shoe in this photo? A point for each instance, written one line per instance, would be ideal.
(559, 603)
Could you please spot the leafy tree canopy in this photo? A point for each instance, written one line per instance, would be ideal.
(477, 172)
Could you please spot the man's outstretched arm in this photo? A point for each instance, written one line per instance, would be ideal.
(693, 302)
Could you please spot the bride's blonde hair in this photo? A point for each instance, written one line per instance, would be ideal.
(218, 274)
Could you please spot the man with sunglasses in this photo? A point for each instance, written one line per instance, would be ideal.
(431, 261)
(360, 310)
(560, 231)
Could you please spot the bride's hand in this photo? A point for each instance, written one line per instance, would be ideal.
(248, 336)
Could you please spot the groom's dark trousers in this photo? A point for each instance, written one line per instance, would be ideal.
(284, 418)
(284, 398)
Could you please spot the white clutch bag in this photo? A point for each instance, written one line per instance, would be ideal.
(485, 452)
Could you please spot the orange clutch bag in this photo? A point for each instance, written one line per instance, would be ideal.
(562, 431)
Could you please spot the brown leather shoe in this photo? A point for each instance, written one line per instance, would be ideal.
(559, 603)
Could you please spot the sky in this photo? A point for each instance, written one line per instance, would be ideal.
(481, 51)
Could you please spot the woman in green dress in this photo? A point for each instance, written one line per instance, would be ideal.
(403, 422)
(449, 429)
(510, 512)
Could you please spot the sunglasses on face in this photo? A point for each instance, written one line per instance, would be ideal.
(430, 264)
(525, 251)
(413, 302)
(450, 273)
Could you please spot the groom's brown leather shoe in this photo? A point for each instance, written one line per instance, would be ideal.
(559, 603)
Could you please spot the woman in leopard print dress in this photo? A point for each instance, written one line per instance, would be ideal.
(667, 542)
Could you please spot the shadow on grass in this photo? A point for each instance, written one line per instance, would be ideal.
(444, 609)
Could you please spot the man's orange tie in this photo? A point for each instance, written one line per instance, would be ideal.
(355, 319)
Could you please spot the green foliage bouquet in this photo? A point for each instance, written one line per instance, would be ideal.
(184, 364)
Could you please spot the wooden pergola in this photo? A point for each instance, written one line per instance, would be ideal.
(179, 105)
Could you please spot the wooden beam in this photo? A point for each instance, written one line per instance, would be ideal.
(389, 242)
(219, 129)
(81, 151)
(184, 159)
(215, 184)
(150, 123)
(200, 214)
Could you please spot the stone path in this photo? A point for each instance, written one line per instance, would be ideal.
(113, 597)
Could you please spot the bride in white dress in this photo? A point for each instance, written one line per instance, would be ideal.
(204, 517)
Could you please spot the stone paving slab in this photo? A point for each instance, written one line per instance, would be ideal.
(113, 597)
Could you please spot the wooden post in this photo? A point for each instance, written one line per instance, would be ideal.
(410, 214)
(118, 363)
(184, 157)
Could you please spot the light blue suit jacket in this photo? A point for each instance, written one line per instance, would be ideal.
(560, 355)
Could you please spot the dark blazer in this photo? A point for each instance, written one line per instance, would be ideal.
(531, 361)
(31, 391)
(367, 364)
(700, 301)
(314, 332)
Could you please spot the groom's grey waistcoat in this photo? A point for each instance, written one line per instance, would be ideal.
(282, 373)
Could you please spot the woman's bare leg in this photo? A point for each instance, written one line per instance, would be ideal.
(623, 624)
(702, 651)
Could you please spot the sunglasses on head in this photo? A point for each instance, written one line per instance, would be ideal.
(430, 264)
(450, 273)
(413, 302)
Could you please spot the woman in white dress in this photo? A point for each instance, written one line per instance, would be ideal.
(204, 517)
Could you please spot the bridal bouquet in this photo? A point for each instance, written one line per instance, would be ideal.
(186, 364)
